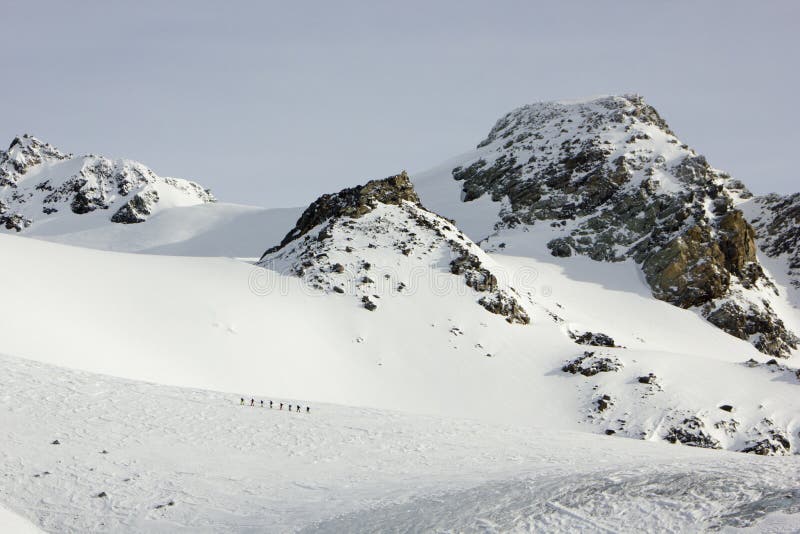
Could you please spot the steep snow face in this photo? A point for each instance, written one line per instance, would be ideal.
(608, 179)
(40, 185)
(375, 240)
(776, 219)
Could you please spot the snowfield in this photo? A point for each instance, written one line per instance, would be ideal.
(213, 229)
(133, 456)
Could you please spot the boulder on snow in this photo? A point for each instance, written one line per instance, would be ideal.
(595, 339)
(648, 379)
(589, 365)
(691, 432)
(368, 304)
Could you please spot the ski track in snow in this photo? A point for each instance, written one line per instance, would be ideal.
(235, 468)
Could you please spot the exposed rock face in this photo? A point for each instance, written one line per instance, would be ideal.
(376, 227)
(696, 267)
(136, 209)
(768, 440)
(758, 323)
(352, 202)
(776, 219)
(609, 180)
(38, 181)
(691, 432)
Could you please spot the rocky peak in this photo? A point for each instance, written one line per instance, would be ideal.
(353, 202)
(24, 152)
(609, 179)
(375, 240)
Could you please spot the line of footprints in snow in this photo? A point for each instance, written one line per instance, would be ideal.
(280, 405)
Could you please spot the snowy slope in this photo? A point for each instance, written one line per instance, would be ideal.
(41, 186)
(228, 325)
(136, 457)
(212, 229)
(608, 179)
(11, 522)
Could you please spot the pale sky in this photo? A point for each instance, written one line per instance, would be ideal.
(274, 103)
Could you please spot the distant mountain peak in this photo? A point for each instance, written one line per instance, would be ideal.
(38, 182)
(24, 152)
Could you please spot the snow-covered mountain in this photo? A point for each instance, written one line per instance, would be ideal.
(581, 270)
(40, 185)
(92, 201)
(340, 237)
(608, 179)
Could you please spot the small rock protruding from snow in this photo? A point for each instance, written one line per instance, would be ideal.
(590, 364)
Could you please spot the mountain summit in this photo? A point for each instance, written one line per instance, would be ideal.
(376, 240)
(607, 178)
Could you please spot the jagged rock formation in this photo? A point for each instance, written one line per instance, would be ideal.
(610, 180)
(39, 182)
(351, 242)
(776, 219)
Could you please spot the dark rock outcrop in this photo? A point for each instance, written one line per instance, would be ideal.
(351, 202)
(777, 225)
(589, 365)
(594, 339)
(691, 432)
(136, 209)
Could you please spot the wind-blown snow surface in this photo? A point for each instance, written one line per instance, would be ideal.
(134, 457)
